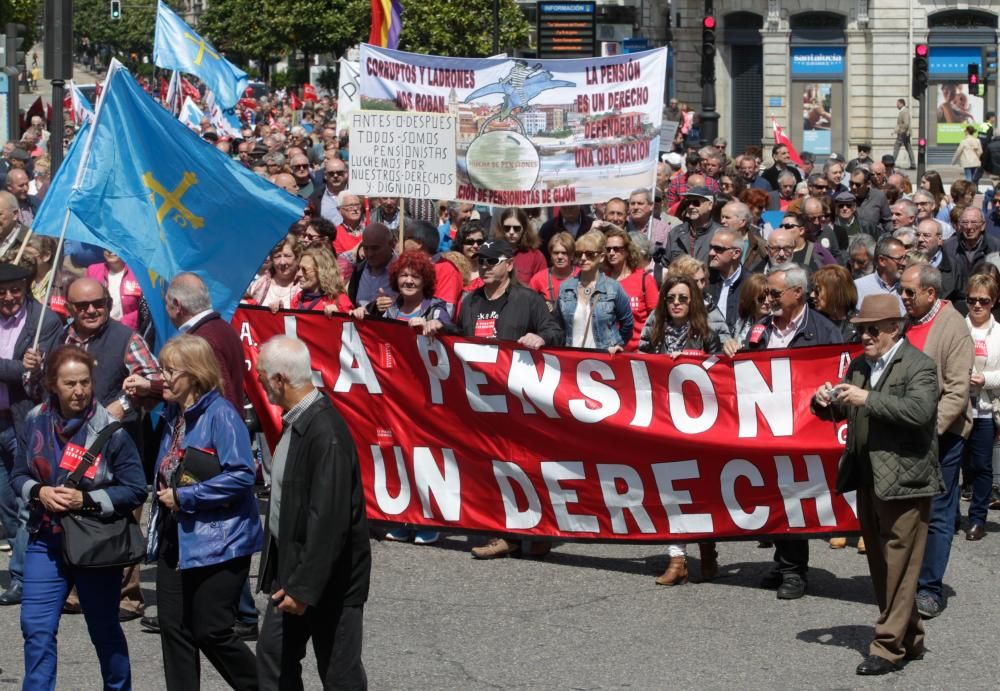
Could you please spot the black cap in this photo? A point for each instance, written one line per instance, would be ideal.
(13, 272)
(496, 249)
(19, 155)
(702, 192)
(864, 147)
(836, 157)
(845, 198)
(888, 160)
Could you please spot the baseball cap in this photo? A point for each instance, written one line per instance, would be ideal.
(496, 249)
(839, 158)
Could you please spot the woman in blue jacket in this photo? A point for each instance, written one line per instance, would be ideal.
(594, 309)
(54, 433)
(204, 525)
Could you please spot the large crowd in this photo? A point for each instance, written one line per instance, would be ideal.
(725, 253)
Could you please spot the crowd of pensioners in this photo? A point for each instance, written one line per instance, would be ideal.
(724, 254)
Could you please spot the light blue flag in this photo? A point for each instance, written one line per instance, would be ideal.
(191, 115)
(176, 46)
(166, 201)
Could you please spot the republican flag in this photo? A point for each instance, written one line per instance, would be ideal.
(166, 202)
(176, 46)
(780, 138)
(387, 22)
(309, 93)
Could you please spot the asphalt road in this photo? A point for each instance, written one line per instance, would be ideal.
(590, 616)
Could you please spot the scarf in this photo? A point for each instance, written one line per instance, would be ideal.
(64, 429)
(309, 299)
(674, 337)
(172, 458)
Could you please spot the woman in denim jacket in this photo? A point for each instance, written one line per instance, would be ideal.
(594, 309)
(205, 523)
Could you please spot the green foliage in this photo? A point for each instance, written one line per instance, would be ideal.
(328, 79)
(133, 33)
(27, 12)
(461, 28)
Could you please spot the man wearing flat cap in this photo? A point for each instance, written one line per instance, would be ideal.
(694, 235)
(19, 315)
(889, 399)
(846, 222)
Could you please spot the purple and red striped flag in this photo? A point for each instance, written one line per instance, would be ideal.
(387, 22)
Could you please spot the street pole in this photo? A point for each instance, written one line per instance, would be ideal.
(496, 27)
(921, 136)
(58, 58)
(57, 134)
(709, 127)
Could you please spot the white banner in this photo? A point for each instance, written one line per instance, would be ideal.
(348, 93)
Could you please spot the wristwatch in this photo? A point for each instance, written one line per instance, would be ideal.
(126, 404)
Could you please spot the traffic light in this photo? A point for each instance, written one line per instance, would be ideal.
(920, 54)
(708, 37)
(116, 9)
(14, 47)
(974, 78)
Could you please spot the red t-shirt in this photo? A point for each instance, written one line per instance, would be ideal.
(448, 286)
(917, 334)
(344, 241)
(527, 263)
(642, 304)
(477, 282)
(540, 284)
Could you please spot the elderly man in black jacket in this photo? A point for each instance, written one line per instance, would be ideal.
(316, 563)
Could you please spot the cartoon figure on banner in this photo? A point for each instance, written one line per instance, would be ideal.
(505, 159)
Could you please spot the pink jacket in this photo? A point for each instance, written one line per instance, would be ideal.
(130, 294)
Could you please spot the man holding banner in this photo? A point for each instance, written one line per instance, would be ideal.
(889, 399)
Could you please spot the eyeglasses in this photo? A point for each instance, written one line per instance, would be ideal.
(300, 165)
(821, 187)
(469, 242)
(970, 224)
(781, 249)
(615, 248)
(312, 236)
(719, 249)
(816, 217)
(981, 302)
(678, 298)
(591, 255)
(349, 206)
(489, 261)
(872, 330)
(170, 372)
(906, 292)
(901, 259)
(789, 226)
(84, 305)
(776, 294)
(510, 228)
(334, 173)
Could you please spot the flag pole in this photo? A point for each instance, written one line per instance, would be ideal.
(402, 224)
(88, 145)
(24, 243)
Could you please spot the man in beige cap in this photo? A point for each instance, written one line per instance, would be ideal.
(889, 399)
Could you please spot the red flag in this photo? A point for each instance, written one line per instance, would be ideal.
(309, 93)
(68, 104)
(780, 138)
(164, 87)
(188, 89)
(294, 101)
(248, 103)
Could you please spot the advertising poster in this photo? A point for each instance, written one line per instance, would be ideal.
(817, 120)
(956, 109)
(533, 132)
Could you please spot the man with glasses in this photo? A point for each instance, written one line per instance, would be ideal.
(725, 260)
(864, 158)
(846, 223)
(19, 315)
(348, 233)
(927, 208)
(504, 309)
(861, 255)
(890, 260)
(931, 244)
(693, 235)
(873, 207)
(748, 169)
(818, 185)
(889, 398)
(970, 246)
(302, 173)
(805, 253)
(818, 228)
(737, 217)
(791, 324)
(939, 331)
(325, 200)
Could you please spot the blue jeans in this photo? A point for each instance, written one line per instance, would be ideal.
(979, 451)
(47, 582)
(11, 506)
(944, 508)
(970, 173)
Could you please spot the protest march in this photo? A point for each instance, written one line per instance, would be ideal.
(246, 337)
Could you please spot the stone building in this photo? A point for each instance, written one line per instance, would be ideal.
(831, 72)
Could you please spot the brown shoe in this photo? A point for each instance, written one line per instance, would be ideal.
(838, 542)
(496, 548)
(709, 561)
(676, 573)
(861, 546)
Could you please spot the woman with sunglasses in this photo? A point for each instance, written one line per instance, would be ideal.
(546, 283)
(982, 291)
(321, 287)
(624, 263)
(516, 228)
(680, 323)
(594, 310)
(468, 239)
(751, 308)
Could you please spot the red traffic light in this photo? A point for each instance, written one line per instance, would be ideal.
(973, 78)
(920, 50)
(708, 22)
(921, 142)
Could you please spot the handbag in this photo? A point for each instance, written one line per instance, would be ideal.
(92, 541)
(197, 466)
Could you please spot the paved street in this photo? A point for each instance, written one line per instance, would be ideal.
(590, 616)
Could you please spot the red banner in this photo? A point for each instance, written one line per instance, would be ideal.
(478, 435)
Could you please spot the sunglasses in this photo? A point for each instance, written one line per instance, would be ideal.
(789, 226)
(335, 173)
(906, 292)
(83, 305)
(719, 249)
(778, 248)
(776, 294)
(512, 228)
(615, 248)
(589, 254)
(469, 242)
(762, 298)
(300, 165)
(982, 302)
(872, 330)
(489, 261)
(680, 299)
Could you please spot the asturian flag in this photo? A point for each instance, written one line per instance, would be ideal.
(191, 115)
(165, 201)
(176, 46)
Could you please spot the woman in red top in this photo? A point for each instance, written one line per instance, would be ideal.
(468, 239)
(562, 250)
(320, 284)
(518, 231)
(625, 263)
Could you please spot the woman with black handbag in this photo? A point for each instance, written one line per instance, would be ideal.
(81, 475)
(205, 524)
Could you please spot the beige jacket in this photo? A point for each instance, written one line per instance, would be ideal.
(903, 121)
(950, 346)
(968, 152)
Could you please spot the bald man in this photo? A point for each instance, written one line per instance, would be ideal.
(11, 229)
(286, 182)
(27, 204)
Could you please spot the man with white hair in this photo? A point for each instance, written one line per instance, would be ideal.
(316, 562)
(791, 324)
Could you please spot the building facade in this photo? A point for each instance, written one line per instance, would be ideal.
(831, 76)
